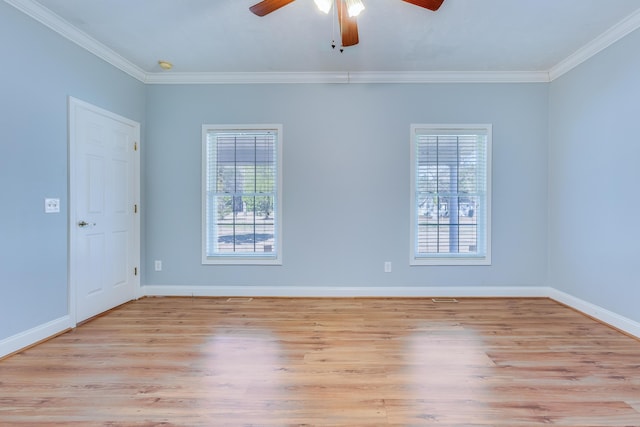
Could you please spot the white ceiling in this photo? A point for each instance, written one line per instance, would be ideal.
(223, 36)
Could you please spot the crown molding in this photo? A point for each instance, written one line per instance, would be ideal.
(349, 77)
(450, 77)
(609, 37)
(246, 77)
(65, 29)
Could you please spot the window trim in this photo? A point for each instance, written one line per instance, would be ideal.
(243, 259)
(449, 259)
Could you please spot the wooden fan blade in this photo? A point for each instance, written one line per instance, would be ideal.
(267, 6)
(427, 4)
(348, 25)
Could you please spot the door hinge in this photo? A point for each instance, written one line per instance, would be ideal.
(135, 146)
(135, 208)
(135, 271)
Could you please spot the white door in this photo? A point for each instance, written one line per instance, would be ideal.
(104, 223)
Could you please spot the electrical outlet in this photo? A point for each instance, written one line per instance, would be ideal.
(387, 267)
(51, 205)
(158, 265)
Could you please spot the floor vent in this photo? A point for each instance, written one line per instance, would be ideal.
(444, 300)
(239, 299)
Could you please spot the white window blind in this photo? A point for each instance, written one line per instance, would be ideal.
(451, 194)
(241, 206)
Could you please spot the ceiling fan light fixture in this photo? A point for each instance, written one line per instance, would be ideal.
(354, 7)
(324, 5)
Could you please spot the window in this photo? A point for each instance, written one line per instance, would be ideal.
(451, 194)
(242, 172)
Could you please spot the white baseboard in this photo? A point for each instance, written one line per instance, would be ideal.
(622, 323)
(41, 332)
(345, 291)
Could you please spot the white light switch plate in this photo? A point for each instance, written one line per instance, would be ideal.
(51, 205)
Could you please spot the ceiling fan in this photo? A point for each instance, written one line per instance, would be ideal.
(347, 12)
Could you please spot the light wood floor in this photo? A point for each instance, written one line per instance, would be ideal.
(328, 362)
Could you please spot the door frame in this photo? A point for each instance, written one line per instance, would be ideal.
(73, 104)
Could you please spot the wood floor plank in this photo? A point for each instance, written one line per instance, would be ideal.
(328, 362)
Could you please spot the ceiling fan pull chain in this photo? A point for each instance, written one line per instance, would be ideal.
(333, 26)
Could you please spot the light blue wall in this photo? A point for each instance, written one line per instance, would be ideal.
(346, 180)
(594, 178)
(39, 71)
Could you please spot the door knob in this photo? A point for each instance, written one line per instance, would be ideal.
(83, 224)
